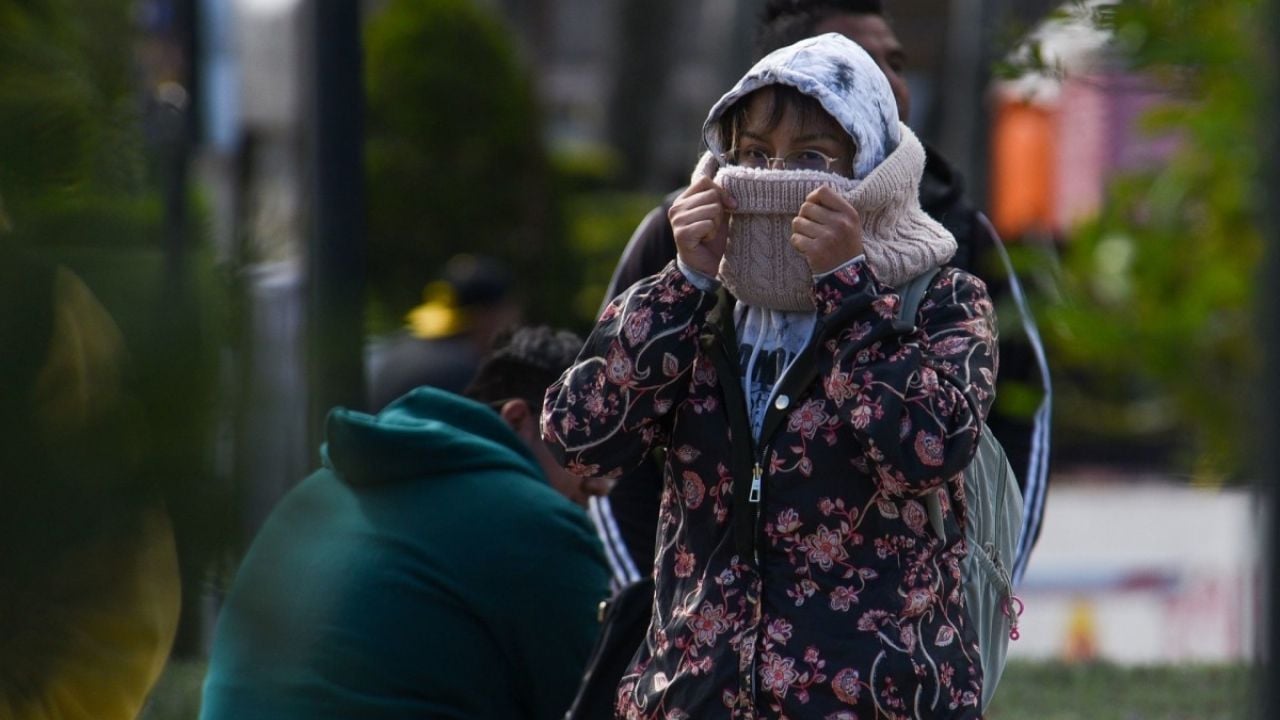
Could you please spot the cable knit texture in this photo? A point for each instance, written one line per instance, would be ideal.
(900, 239)
(760, 266)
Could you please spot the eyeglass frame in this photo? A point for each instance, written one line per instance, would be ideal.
(773, 163)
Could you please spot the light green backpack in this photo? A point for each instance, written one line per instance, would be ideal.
(995, 520)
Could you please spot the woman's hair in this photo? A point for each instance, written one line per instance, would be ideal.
(784, 22)
(807, 109)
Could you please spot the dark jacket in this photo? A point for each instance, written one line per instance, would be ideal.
(401, 362)
(631, 506)
(428, 570)
(827, 588)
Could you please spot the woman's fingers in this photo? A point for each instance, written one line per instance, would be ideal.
(697, 226)
(808, 228)
(697, 233)
(697, 213)
(725, 198)
(827, 197)
(827, 230)
(703, 192)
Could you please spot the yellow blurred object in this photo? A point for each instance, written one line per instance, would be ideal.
(98, 620)
(120, 635)
(439, 314)
(1082, 633)
(81, 378)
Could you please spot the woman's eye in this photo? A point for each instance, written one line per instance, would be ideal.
(753, 157)
(808, 160)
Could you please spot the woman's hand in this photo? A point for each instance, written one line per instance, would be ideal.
(828, 231)
(700, 221)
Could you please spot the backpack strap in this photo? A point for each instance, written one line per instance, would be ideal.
(910, 295)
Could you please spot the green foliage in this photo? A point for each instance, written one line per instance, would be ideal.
(454, 154)
(600, 223)
(74, 175)
(1156, 322)
(69, 118)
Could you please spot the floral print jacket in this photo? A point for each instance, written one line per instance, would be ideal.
(797, 576)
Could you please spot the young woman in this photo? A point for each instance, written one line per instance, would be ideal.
(797, 575)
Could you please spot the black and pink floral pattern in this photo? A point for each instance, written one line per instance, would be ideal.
(852, 607)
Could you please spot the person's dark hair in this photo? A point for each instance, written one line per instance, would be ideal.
(807, 108)
(477, 280)
(523, 363)
(784, 22)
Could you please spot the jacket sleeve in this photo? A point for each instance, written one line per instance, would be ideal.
(915, 402)
(605, 413)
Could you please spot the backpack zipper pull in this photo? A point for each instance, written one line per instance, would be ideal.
(755, 484)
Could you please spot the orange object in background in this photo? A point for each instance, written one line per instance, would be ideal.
(1081, 643)
(1022, 168)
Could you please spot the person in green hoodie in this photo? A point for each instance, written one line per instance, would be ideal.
(432, 568)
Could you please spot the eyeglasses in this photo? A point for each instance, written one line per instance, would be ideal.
(798, 160)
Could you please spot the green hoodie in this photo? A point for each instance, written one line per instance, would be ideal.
(427, 571)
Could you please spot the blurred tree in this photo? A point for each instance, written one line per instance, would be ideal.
(69, 118)
(1156, 327)
(455, 158)
(81, 187)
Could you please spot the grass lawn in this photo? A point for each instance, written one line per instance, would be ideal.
(1028, 691)
(1099, 691)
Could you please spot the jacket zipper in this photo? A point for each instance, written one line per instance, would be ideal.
(803, 376)
(757, 483)
(756, 493)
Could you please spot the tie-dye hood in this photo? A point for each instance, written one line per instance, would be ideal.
(841, 76)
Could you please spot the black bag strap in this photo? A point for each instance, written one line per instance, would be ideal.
(624, 624)
(910, 295)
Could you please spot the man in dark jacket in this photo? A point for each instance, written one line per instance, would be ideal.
(627, 518)
(444, 337)
(431, 568)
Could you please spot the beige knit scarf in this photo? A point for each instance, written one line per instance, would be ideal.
(762, 269)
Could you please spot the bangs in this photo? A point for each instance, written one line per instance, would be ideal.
(809, 114)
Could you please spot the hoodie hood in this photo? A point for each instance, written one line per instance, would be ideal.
(842, 77)
(425, 433)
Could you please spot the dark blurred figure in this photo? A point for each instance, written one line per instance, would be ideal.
(446, 335)
(89, 585)
(429, 569)
(627, 518)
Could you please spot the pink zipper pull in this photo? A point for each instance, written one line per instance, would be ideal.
(1013, 608)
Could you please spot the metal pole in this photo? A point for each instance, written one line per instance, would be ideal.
(337, 253)
(642, 69)
(1268, 689)
(178, 117)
